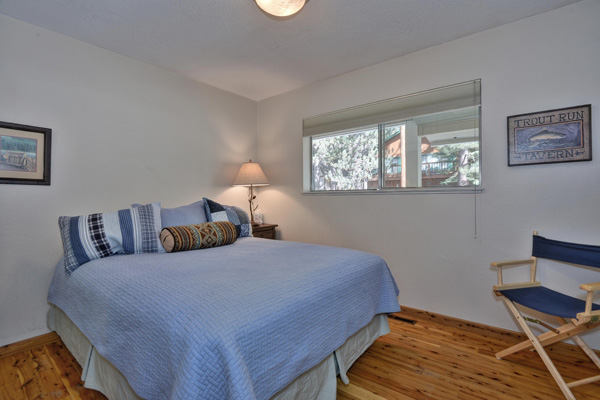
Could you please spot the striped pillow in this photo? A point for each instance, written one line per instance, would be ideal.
(200, 236)
(130, 231)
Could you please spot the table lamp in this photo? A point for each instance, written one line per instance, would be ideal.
(251, 174)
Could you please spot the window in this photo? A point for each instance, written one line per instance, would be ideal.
(345, 160)
(426, 140)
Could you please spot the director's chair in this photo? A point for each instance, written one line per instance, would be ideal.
(575, 316)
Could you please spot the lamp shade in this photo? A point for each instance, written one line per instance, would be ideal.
(281, 8)
(250, 174)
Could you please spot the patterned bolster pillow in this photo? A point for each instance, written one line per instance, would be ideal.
(200, 236)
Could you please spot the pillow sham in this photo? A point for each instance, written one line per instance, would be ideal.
(129, 231)
(218, 212)
(184, 215)
(199, 236)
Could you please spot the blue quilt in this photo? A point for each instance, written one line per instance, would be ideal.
(232, 322)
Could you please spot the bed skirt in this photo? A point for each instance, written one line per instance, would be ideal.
(317, 383)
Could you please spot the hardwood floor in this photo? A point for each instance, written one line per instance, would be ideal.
(435, 358)
(41, 368)
(441, 358)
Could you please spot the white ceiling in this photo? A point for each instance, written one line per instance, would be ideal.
(234, 46)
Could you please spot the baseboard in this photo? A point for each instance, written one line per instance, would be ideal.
(36, 341)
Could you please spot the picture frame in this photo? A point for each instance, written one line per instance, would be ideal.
(25, 153)
(552, 136)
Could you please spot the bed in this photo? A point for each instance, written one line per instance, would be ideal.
(256, 319)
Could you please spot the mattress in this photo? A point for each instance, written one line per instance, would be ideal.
(317, 383)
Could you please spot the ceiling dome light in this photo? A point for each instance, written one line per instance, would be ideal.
(281, 8)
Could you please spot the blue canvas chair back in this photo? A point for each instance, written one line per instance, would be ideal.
(549, 301)
(582, 254)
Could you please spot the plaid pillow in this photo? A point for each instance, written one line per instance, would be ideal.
(130, 231)
(218, 212)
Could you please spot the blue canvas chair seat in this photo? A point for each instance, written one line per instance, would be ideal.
(574, 315)
(548, 301)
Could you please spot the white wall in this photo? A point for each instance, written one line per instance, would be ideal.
(122, 132)
(539, 63)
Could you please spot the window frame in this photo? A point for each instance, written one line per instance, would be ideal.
(308, 172)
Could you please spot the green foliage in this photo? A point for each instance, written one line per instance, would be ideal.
(391, 131)
(344, 162)
(467, 156)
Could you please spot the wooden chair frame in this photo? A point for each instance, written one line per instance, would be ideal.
(569, 329)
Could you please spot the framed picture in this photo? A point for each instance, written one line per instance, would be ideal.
(24, 154)
(552, 136)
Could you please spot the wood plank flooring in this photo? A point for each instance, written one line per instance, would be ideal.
(436, 358)
(443, 358)
(41, 368)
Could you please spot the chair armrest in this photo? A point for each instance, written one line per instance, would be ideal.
(513, 262)
(499, 264)
(519, 285)
(590, 287)
(589, 315)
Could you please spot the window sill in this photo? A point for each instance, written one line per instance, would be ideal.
(457, 190)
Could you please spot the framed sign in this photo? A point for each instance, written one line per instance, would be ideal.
(24, 154)
(552, 136)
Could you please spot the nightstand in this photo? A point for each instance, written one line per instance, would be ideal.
(265, 231)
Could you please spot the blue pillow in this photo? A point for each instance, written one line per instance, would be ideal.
(217, 212)
(130, 231)
(192, 214)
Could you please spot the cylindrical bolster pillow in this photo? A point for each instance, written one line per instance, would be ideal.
(200, 236)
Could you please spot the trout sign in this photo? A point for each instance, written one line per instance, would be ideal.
(551, 136)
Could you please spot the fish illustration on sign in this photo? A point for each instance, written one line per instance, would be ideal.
(550, 137)
(547, 135)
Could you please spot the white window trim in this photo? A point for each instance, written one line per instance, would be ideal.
(325, 123)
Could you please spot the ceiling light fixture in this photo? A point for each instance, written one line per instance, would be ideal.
(281, 8)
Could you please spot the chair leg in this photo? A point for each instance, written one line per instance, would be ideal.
(593, 356)
(568, 330)
(541, 351)
(584, 346)
(588, 350)
(525, 345)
